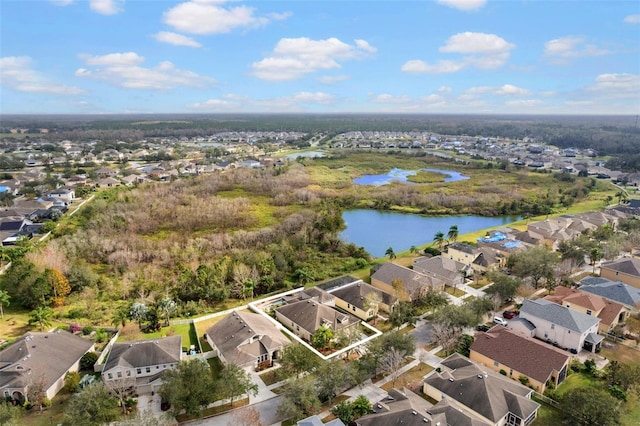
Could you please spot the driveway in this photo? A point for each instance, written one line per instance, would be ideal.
(268, 411)
(423, 333)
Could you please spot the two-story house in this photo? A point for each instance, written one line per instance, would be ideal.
(626, 270)
(358, 299)
(404, 283)
(143, 362)
(562, 326)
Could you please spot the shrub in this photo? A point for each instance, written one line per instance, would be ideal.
(74, 328)
(524, 380)
(617, 392)
(46, 402)
(504, 373)
(590, 366)
(101, 335)
(71, 381)
(88, 360)
(553, 394)
(87, 330)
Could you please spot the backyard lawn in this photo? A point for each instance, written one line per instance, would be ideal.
(187, 331)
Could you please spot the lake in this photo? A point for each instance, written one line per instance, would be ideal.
(400, 175)
(305, 154)
(376, 231)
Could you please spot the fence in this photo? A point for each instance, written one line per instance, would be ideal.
(546, 400)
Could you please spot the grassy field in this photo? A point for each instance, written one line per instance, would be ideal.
(16, 322)
(187, 331)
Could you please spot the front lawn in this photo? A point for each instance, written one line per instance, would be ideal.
(455, 292)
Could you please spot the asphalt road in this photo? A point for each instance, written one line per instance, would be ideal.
(268, 415)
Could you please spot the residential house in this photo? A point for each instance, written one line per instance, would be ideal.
(487, 260)
(610, 313)
(614, 291)
(447, 270)
(501, 349)
(246, 339)
(305, 317)
(355, 299)
(107, 182)
(561, 326)
(412, 284)
(67, 195)
(403, 407)
(36, 357)
(142, 362)
(495, 399)
(106, 172)
(462, 252)
(316, 421)
(626, 270)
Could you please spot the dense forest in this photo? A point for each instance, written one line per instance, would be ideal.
(608, 135)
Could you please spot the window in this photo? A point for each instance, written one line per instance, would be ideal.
(109, 375)
(139, 370)
(128, 373)
(157, 367)
(7, 394)
(588, 311)
(148, 369)
(119, 374)
(553, 326)
(354, 309)
(496, 364)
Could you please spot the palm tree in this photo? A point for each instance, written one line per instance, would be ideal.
(4, 301)
(594, 255)
(390, 253)
(41, 316)
(413, 249)
(453, 233)
(439, 239)
(120, 318)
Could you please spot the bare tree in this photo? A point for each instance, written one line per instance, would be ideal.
(372, 304)
(446, 336)
(391, 364)
(36, 391)
(121, 387)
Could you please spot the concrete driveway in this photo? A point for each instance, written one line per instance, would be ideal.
(268, 415)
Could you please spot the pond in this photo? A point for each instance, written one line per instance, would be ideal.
(305, 154)
(400, 175)
(376, 231)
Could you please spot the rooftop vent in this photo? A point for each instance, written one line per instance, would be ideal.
(451, 379)
(424, 419)
(414, 412)
(379, 406)
(479, 376)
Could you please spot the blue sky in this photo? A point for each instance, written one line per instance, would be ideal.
(210, 56)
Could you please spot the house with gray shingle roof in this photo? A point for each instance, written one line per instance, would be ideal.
(562, 326)
(40, 356)
(495, 399)
(442, 268)
(518, 355)
(355, 298)
(413, 283)
(615, 291)
(403, 407)
(142, 362)
(626, 270)
(304, 318)
(246, 339)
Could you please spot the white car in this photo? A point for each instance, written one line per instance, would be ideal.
(500, 321)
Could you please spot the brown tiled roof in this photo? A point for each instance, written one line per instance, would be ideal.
(529, 356)
(610, 312)
(564, 295)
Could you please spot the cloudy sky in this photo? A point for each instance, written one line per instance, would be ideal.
(438, 56)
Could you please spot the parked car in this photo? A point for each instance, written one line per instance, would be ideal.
(499, 321)
(483, 327)
(509, 314)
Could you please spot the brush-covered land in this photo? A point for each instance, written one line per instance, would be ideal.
(206, 241)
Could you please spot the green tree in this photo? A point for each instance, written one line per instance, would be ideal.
(71, 381)
(42, 316)
(233, 382)
(464, 344)
(590, 406)
(5, 300)
(371, 304)
(303, 276)
(167, 307)
(389, 252)
(295, 360)
(322, 337)
(535, 263)
(9, 414)
(138, 312)
(452, 236)
(480, 306)
(405, 344)
(332, 377)
(439, 239)
(504, 286)
(299, 399)
(432, 300)
(189, 387)
(120, 318)
(88, 360)
(413, 249)
(93, 405)
(361, 406)
(595, 254)
(403, 312)
(344, 411)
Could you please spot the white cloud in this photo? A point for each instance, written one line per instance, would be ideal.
(114, 59)
(524, 103)
(445, 89)
(293, 58)
(210, 17)
(632, 19)
(481, 43)
(16, 73)
(417, 66)
(295, 102)
(569, 47)
(62, 2)
(504, 90)
(386, 98)
(464, 4)
(617, 85)
(106, 7)
(331, 79)
(124, 70)
(480, 50)
(176, 39)
(433, 99)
